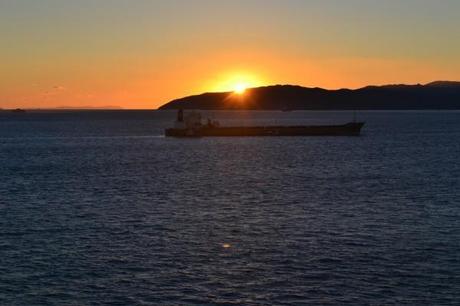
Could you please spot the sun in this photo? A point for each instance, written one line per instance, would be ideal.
(239, 88)
(237, 82)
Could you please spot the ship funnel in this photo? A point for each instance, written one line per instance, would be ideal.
(180, 115)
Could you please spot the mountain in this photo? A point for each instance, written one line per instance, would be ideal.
(451, 84)
(435, 95)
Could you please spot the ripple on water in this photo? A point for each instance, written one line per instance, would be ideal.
(97, 211)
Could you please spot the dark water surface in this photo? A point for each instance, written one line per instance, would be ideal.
(97, 208)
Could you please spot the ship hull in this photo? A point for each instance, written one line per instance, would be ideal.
(349, 129)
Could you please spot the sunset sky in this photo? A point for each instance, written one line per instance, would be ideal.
(143, 53)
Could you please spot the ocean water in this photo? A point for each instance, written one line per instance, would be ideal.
(98, 208)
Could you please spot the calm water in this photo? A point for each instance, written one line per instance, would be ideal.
(97, 208)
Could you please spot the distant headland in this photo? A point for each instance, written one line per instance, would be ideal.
(65, 108)
(434, 95)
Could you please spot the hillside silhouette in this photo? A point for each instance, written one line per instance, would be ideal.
(435, 95)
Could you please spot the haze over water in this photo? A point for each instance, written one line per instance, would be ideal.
(99, 208)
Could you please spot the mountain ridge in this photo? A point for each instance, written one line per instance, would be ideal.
(433, 95)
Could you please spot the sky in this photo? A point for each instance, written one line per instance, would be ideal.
(141, 54)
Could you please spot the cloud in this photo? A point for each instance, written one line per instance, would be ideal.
(53, 91)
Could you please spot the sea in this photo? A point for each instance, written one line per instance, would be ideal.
(99, 208)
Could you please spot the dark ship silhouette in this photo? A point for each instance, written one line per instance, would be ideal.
(191, 126)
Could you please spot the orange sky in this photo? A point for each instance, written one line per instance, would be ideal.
(109, 53)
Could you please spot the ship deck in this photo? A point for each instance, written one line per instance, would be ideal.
(349, 129)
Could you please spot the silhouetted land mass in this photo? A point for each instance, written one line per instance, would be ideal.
(65, 108)
(435, 95)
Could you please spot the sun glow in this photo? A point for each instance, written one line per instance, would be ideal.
(240, 88)
(236, 82)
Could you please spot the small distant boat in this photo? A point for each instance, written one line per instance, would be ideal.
(18, 110)
(191, 126)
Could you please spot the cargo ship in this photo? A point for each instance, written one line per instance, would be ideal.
(192, 126)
